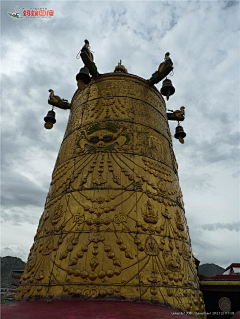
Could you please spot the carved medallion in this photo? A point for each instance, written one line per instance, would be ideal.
(225, 304)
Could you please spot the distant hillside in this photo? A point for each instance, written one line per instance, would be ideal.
(8, 264)
(210, 270)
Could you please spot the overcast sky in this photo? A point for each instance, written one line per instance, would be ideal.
(40, 53)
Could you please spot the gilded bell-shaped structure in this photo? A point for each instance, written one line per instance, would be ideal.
(49, 120)
(167, 88)
(180, 134)
(114, 223)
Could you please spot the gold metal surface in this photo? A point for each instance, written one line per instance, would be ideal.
(114, 224)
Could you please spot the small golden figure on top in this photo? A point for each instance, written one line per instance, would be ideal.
(86, 48)
(163, 70)
(167, 62)
(87, 57)
(55, 100)
(178, 115)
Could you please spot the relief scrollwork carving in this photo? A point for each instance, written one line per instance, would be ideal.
(172, 261)
(180, 300)
(32, 259)
(141, 144)
(120, 218)
(57, 214)
(158, 147)
(47, 246)
(42, 220)
(186, 252)
(179, 222)
(106, 108)
(90, 292)
(78, 219)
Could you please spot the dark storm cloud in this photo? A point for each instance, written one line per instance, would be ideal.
(234, 226)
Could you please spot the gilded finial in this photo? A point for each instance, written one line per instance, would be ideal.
(120, 68)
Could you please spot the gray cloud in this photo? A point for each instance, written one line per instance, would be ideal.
(17, 216)
(234, 226)
(198, 182)
(229, 4)
(14, 251)
(236, 174)
(20, 191)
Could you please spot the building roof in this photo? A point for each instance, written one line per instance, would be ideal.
(234, 265)
(233, 269)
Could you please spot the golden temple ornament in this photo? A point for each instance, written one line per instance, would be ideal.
(120, 68)
(114, 223)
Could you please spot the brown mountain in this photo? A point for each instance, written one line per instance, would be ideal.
(8, 264)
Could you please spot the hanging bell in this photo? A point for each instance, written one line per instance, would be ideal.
(180, 134)
(49, 120)
(167, 88)
(83, 78)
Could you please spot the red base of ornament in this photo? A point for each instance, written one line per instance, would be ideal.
(87, 309)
